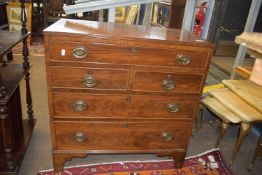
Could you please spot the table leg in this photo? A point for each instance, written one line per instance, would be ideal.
(257, 152)
(245, 128)
(224, 126)
(7, 138)
(26, 65)
(29, 99)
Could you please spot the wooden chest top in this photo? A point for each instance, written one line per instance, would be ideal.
(131, 32)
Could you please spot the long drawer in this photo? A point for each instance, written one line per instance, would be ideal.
(83, 77)
(120, 136)
(167, 82)
(67, 105)
(119, 54)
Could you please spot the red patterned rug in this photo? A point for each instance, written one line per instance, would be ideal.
(207, 163)
(36, 47)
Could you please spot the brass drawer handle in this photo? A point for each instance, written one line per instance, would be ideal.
(80, 52)
(183, 59)
(80, 106)
(89, 81)
(168, 84)
(80, 137)
(167, 136)
(172, 107)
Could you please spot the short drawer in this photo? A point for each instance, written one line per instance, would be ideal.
(67, 105)
(89, 78)
(121, 135)
(167, 82)
(121, 54)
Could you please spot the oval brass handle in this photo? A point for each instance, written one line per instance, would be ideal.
(183, 59)
(89, 81)
(168, 84)
(167, 136)
(80, 137)
(172, 107)
(80, 106)
(80, 52)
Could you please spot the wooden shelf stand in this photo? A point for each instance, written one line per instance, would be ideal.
(15, 132)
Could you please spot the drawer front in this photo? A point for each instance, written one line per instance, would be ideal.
(89, 78)
(68, 105)
(167, 82)
(120, 54)
(74, 51)
(171, 58)
(120, 136)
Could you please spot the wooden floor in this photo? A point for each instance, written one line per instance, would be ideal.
(221, 68)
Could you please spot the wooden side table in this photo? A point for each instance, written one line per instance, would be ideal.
(15, 132)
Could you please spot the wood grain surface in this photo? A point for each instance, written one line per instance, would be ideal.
(232, 101)
(123, 106)
(120, 136)
(128, 108)
(247, 91)
(122, 54)
(220, 110)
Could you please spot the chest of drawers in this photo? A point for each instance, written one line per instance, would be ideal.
(115, 88)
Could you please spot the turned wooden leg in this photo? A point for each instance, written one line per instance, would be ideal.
(223, 127)
(28, 89)
(29, 99)
(257, 152)
(26, 64)
(244, 129)
(7, 137)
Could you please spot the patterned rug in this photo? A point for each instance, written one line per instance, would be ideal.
(36, 47)
(207, 163)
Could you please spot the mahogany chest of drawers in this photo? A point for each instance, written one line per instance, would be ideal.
(116, 88)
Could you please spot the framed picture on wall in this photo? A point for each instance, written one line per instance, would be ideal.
(14, 16)
(15, 27)
(120, 14)
(132, 13)
(160, 14)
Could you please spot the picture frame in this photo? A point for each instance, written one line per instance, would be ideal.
(161, 14)
(15, 27)
(120, 14)
(132, 13)
(13, 10)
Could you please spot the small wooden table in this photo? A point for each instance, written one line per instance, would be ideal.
(15, 132)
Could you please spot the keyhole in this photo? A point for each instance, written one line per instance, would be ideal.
(128, 99)
(125, 125)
